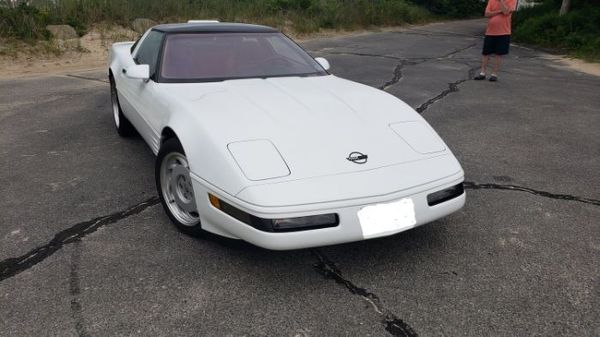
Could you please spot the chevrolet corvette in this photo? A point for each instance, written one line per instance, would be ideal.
(255, 140)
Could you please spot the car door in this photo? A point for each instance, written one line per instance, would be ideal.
(143, 96)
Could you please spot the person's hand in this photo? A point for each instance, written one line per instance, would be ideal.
(505, 10)
(490, 14)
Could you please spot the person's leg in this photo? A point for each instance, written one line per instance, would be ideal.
(501, 50)
(496, 68)
(484, 63)
(487, 49)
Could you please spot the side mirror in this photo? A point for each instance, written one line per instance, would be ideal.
(138, 71)
(323, 62)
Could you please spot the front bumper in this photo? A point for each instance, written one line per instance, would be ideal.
(348, 230)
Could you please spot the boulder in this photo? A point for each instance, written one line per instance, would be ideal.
(62, 32)
(140, 25)
(68, 44)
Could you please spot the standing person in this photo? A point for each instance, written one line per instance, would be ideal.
(497, 35)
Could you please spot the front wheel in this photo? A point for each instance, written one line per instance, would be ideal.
(175, 189)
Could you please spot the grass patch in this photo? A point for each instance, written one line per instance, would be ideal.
(576, 33)
(48, 48)
(454, 8)
(23, 26)
(23, 22)
(28, 21)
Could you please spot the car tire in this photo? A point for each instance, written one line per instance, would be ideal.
(122, 124)
(175, 189)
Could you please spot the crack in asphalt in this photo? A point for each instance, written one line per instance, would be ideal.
(384, 56)
(454, 52)
(394, 325)
(87, 78)
(75, 291)
(13, 266)
(397, 73)
(407, 60)
(477, 186)
(415, 60)
(397, 77)
(452, 87)
(530, 57)
(423, 32)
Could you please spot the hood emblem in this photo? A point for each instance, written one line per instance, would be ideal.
(357, 157)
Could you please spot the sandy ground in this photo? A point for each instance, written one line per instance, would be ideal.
(95, 46)
(576, 64)
(97, 43)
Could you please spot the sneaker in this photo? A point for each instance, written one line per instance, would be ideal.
(479, 77)
(493, 78)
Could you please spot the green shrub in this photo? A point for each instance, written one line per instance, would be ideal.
(286, 5)
(454, 8)
(577, 32)
(24, 22)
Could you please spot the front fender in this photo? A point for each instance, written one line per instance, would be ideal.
(210, 162)
(119, 57)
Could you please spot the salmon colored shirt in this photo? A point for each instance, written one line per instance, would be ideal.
(499, 24)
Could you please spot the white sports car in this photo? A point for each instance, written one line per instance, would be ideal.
(255, 140)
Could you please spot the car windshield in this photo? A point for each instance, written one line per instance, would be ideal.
(201, 57)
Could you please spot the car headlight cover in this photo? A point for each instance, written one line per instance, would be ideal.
(419, 137)
(258, 159)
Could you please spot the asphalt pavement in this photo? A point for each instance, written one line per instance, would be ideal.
(85, 249)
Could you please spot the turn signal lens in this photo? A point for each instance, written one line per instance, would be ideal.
(214, 201)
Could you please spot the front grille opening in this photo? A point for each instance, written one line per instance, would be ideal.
(445, 195)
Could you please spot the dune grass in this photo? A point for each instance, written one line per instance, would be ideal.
(27, 21)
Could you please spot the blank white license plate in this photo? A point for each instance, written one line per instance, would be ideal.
(381, 219)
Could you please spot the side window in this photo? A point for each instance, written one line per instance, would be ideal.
(137, 42)
(149, 49)
(134, 45)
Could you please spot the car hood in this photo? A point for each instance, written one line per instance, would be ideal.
(314, 123)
